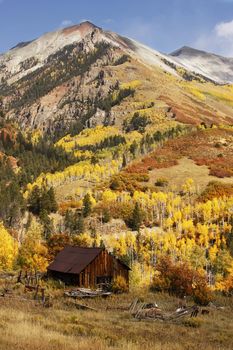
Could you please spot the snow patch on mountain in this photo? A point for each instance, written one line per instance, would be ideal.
(214, 67)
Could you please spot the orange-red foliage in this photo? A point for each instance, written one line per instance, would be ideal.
(64, 206)
(129, 181)
(56, 243)
(205, 147)
(216, 189)
(180, 279)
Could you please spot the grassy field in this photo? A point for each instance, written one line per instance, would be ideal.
(186, 168)
(27, 325)
(210, 147)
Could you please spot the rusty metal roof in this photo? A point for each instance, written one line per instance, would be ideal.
(74, 259)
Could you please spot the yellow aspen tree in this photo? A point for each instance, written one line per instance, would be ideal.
(8, 249)
(83, 240)
(33, 253)
(213, 252)
(203, 231)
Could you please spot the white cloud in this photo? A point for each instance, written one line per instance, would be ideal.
(224, 30)
(66, 23)
(219, 40)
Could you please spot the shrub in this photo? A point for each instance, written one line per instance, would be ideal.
(120, 285)
(201, 293)
(217, 145)
(122, 60)
(221, 171)
(138, 122)
(128, 182)
(216, 189)
(161, 182)
(179, 279)
(228, 285)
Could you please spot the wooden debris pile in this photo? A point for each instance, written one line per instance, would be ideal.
(81, 293)
(144, 311)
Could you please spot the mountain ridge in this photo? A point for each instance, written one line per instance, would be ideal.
(188, 49)
(53, 41)
(75, 73)
(216, 67)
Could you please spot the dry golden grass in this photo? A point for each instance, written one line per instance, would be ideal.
(186, 168)
(192, 102)
(23, 325)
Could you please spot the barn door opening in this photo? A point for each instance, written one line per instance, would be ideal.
(101, 280)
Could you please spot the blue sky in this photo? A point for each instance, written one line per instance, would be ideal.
(162, 24)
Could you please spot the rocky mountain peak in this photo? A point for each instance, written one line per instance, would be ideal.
(185, 50)
(75, 75)
(82, 29)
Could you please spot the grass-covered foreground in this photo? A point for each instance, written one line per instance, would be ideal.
(27, 325)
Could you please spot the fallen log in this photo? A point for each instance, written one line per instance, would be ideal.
(82, 293)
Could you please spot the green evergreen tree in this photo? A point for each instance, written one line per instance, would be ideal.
(124, 161)
(133, 148)
(102, 245)
(42, 199)
(106, 215)
(52, 200)
(87, 205)
(78, 222)
(135, 220)
(47, 224)
(34, 200)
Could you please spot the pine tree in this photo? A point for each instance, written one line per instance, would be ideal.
(106, 215)
(87, 205)
(133, 148)
(34, 200)
(78, 222)
(102, 245)
(124, 161)
(136, 218)
(42, 199)
(53, 203)
(47, 224)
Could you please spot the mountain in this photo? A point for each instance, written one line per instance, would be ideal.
(27, 57)
(214, 67)
(83, 76)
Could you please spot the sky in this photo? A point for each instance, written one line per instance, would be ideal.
(165, 25)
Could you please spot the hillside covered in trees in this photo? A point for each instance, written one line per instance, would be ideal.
(99, 148)
(99, 188)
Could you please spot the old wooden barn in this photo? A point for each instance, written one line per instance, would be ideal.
(87, 267)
